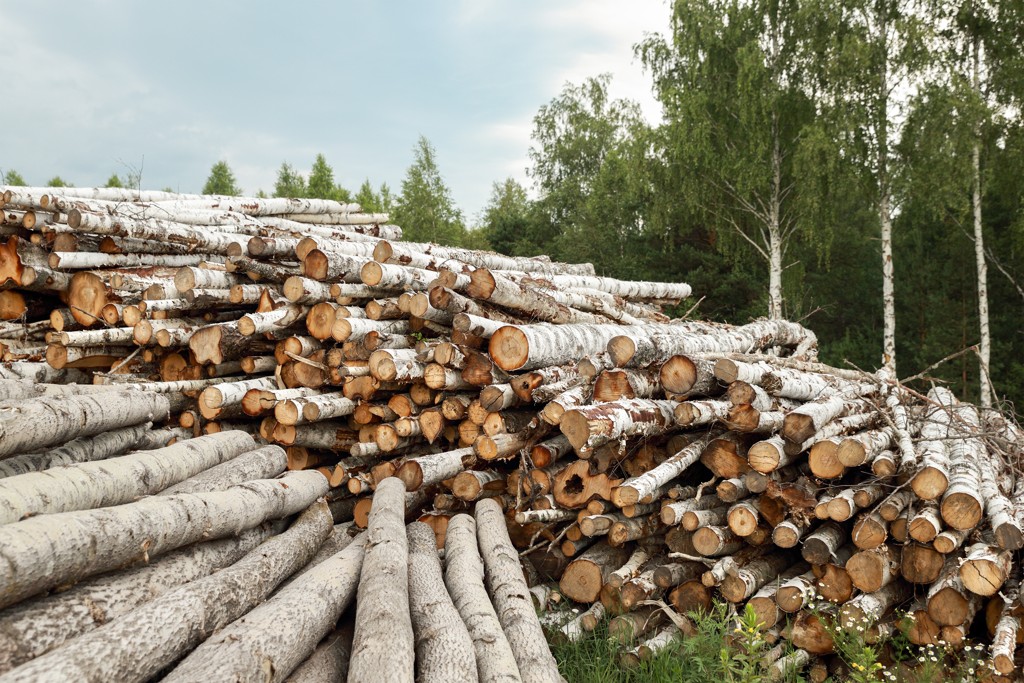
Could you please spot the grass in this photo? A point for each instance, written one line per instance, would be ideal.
(730, 649)
(716, 653)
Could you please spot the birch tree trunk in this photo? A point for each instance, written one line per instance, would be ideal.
(511, 597)
(383, 646)
(279, 634)
(444, 650)
(985, 350)
(51, 550)
(35, 627)
(464, 577)
(138, 645)
(884, 208)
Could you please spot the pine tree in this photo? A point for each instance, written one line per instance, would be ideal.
(114, 181)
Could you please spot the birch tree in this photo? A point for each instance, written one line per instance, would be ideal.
(866, 57)
(730, 80)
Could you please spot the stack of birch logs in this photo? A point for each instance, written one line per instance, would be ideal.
(646, 465)
(189, 583)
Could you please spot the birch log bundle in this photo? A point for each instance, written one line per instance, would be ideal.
(638, 460)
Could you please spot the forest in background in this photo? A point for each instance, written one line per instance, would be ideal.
(793, 131)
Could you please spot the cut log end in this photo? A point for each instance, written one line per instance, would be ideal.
(509, 348)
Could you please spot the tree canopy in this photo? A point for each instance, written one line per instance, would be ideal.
(425, 209)
(222, 181)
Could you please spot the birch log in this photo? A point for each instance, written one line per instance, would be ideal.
(51, 550)
(383, 647)
(464, 577)
(35, 627)
(262, 463)
(37, 423)
(278, 635)
(511, 597)
(138, 645)
(116, 480)
(84, 449)
(444, 650)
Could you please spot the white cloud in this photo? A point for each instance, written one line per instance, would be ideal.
(616, 27)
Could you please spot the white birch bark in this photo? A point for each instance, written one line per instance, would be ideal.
(396, 277)
(640, 489)
(262, 463)
(985, 347)
(964, 502)
(537, 304)
(207, 241)
(419, 254)
(630, 569)
(106, 335)
(697, 413)
(574, 630)
(270, 321)
(51, 550)
(34, 627)
(256, 206)
(383, 647)
(444, 650)
(511, 597)
(591, 426)
(138, 645)
(42, 422)
(431, 469)
(657, 344)
(278, 635)
(85, 260)
(322, 407)
(85, 449)
(528, 347)
(231, 393)
(117, 480)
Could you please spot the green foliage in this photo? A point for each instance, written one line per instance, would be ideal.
(221, 181)
(723, 649)
(367, 198)
(14, 178)
(374, 201)
(425, 209)
(289, 182)
(506, 218)
(321, 183)
(57, 181)
(114, 181)
(574, 135)
(742, 658)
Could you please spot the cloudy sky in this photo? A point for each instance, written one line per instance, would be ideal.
(95, 87)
